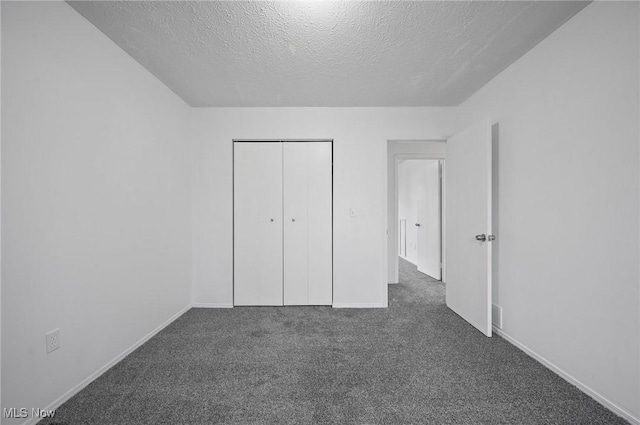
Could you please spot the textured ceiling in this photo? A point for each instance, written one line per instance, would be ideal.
(325, 53)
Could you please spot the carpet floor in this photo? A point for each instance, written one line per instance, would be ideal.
(415, 362)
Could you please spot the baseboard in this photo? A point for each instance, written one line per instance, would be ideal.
(570, 379)
(358, 305)
(407, 260)
(211, 305)
(109, 365)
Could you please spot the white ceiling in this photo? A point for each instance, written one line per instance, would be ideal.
(326, 53)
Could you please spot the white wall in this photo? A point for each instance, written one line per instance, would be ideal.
(96, 201)
(568, 273)
(360, 178)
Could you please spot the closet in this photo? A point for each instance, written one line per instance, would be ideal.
(282, 223)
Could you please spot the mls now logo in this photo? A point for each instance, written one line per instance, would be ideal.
(14, 412)
(42, 413)
(23, 412)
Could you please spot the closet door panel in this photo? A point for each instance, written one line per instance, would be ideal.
(257, 224)
(295, 224)
(319, 158)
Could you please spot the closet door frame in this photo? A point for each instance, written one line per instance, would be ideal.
(233, 144)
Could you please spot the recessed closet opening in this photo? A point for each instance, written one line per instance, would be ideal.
(282, 222)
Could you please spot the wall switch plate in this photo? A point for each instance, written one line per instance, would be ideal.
(53, 340)
(352, 212)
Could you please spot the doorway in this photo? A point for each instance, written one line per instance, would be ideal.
(466, 227)
(420, 214)
(401, 151)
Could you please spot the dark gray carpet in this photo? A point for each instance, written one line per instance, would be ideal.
(413, 363)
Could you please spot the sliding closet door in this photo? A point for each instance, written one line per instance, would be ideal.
(257, 224)
(307, 223)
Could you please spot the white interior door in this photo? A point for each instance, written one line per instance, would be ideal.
(257, 224)
(429, 219)
(320, 220)
(296, 265)
(307, 223)
(468, 218)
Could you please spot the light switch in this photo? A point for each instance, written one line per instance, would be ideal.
(352, 212)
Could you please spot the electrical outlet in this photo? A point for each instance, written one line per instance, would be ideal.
(53, 340)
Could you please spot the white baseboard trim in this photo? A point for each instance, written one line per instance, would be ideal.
(358, 305)
(211, 305)
(570, 379)
(95, 375)
(406, 259)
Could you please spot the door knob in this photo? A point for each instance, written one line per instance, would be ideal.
(293, 219)
(481, 237)
(271, 219)
(491, 238)
(417, 224)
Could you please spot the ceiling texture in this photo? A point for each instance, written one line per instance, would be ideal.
(326, 53)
